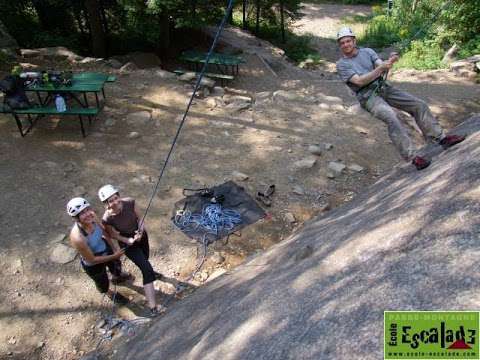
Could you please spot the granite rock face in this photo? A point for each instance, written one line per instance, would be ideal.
(410, 241)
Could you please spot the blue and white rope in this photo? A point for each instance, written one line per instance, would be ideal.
(213, 220)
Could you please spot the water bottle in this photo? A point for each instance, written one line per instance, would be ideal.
(60, 103)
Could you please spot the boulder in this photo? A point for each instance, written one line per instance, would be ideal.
(218, 91)
(304, 164)
(90, 60)
(29, 53)
(237, 106)
(133, 135)
(464, 68)
(237, 98)
(207, 82)
(128, 67)
(164, 74)
(114, 63)
(238, 176)
(263, 97)
(187, 77)
(336, 167)
(315, 150)
(355, 168)
(59, 53)
(144, 60)
(283, 95)
(62, 254)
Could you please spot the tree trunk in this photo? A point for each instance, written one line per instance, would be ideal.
(282, 21)
(230, 16)
(96, 28)
(257, 22)
(244, 11)
(164, 36)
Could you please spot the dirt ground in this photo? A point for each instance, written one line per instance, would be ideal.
(49, 311)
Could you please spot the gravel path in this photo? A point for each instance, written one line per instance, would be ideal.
(322, 21)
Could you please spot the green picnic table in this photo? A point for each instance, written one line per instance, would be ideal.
(227, 61)
(82, 84)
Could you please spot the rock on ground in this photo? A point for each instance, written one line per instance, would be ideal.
(62, 254)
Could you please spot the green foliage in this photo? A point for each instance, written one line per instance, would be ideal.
(470, 48)
(381, 31)
(422, 55)
(425, 31)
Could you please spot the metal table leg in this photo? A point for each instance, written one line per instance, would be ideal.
(81, 125)
(19, 124)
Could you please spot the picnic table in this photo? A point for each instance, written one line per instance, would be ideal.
(82, 84)
(221, 61)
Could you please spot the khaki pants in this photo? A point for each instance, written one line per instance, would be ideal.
(381, 105)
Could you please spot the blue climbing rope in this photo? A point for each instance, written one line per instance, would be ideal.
(213, 220)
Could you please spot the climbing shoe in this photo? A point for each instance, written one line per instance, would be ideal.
(118, 298)
(420, 163)
(450, 140)
(157, 310)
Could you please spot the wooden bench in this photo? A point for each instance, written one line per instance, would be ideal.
(222, 77)
(43, 111)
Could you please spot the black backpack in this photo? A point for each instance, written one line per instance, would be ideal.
(14, 89)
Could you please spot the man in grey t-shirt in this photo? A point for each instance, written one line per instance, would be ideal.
(362, 70)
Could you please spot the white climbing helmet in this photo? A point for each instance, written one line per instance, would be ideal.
(76, 206)
(106, 191)
(344, 31)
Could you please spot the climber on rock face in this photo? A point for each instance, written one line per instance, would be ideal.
(365, 73)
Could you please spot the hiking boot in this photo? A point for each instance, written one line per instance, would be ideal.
(118, 298)
(420, 163)
(450, 140)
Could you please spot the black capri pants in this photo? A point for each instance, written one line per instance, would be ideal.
(139, 253)
(98, 272)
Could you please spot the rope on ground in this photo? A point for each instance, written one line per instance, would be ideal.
(213, 220)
